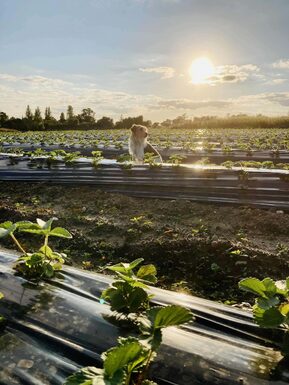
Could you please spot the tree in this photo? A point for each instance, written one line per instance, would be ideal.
(47, 114)
(37, 115)
(105, 123)
(69, 113)
(128, 122)
(87, 116)
(3, 118)
(62, 118)
(28, 113)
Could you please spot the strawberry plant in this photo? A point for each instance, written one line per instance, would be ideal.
(271, 309)
(150, 159)
(176, 159)
(96, 158)
(128, 363)
(44, 262)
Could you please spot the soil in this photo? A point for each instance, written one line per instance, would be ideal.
(203, 249)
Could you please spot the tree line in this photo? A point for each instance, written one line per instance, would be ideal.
(69, 121)
(86, 121)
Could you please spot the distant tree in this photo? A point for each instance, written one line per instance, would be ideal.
(47, 114)
(128, 122)
(3, 118)
(87, 116)
(37, 115)
(62, 118)
(69, 113)
(105, 123)
(28, 113)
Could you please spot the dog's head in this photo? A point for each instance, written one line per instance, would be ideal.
(139, 131)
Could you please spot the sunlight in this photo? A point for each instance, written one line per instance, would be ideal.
(201, 70)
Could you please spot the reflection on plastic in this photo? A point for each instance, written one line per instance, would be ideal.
(58, 326)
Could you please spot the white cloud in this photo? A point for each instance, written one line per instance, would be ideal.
(276, 81)
(165, 72)
(17, 92)
(281, 64)
(233, 73)
(8, 78)
(187, 104)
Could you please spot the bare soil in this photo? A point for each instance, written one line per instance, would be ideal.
(204, 249)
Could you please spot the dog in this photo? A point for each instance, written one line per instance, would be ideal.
(138, 144)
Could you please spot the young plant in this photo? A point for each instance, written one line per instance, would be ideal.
(150, 159)
(128, 363)
(45, 261)
(125, 161)
(127, 294)
(96, 158)
(271, 309)
(176, 159)
(71, 157)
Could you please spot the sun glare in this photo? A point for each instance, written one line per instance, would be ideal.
(201, 70)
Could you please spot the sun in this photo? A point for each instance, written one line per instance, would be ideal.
(201, 70)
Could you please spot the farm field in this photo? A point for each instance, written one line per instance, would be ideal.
(261, 148)
(194, 249)
(214, 214)
(247, 168)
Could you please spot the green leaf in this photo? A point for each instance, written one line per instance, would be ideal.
(7, 228)
(135, 263)
(46, 250)
(271, 318)
(138, 299)
(267, 303)
(284, 309)
(46, 225)
(147, 273)
(86, 376)
(270, 286)
(253, 285)
(172, 315)
(120, 356)
(60, 232)
(125, 268)
(48, 270)
(287, 283)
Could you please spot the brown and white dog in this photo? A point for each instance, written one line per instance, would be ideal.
(138, 143)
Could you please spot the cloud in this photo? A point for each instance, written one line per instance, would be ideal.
(233, 73)
(8, 78)
(187, 104)
(276, 81)
(281, 64)
(165, 72)
(281, 98)
(17, 92)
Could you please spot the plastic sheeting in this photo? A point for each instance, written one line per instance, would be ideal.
(255, 187)
(57, 326)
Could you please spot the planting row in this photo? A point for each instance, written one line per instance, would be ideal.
(264, 188)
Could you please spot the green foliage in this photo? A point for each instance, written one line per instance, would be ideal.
(271, 309)
(96, 158)
(127, 295)
(128, 362)
(150, 159)
(44, 262)
(176, 159)
(125, 161)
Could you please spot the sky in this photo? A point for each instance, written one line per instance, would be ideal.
(134, 57)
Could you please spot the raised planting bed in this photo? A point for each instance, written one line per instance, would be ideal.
(216, 155)
(256, 187)
(56, 326)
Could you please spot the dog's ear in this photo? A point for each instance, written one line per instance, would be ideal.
(133, 127)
